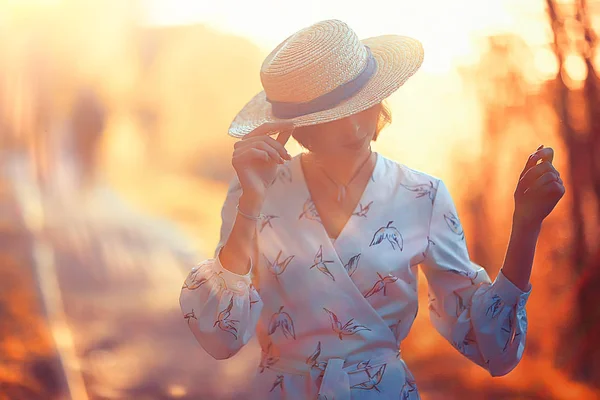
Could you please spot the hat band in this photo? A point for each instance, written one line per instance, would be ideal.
(328, 100)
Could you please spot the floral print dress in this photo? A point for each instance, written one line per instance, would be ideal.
(330, 315)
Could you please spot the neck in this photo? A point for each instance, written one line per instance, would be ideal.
(341, 165)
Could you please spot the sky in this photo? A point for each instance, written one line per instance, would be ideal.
(447, 29)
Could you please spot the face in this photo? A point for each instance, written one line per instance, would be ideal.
(347, 135)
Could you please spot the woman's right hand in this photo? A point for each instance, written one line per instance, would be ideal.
(256, 156)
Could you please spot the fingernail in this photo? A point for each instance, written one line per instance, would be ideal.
(541, 145)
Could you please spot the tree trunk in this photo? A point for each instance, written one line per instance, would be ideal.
(583, 146)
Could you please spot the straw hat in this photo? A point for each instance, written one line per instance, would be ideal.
(325, 72)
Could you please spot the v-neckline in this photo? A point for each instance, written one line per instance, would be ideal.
(364, 193)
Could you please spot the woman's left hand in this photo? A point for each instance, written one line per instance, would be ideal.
(539, 189)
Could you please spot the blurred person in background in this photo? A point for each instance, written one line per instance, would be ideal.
(78, 144)
(88, 121)
(318, 253)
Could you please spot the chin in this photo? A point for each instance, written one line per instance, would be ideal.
(355, 146)
(341, 149)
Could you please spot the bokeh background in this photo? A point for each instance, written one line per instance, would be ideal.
(114, 164)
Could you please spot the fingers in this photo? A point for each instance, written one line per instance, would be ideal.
(284, 136)
(275, 144)
(544, 154)
(531, 176)
(548, 178)
(269, 128)
(252, 154)
(272, 153)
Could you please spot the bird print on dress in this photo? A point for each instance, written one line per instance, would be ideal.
(467, 341)
(278, 382)
(313, 361)
(349, 328)
(322, 265)
(390, 233)
(410, 386)
(396, 328)
(494, 309)
(363, 210)
(189, 316)
(194, 280)
(454, 224)
(422, 190)
(282, 320)
(251, 289)
(373, 380)
(472, 275)
(267, 359)
(431, 306)
(381, 284)
(352, 264)
(429, 243)
(277, 267)
(225, 323)
(250, 296)
(461, 304)
(266, 221)
(284, 174)
(363, 364)
(219, 280)
(512, 332)
(309, 211)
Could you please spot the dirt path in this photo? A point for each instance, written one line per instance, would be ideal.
(105, 310)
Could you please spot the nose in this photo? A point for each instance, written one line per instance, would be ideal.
(354, 120)
(352, 124)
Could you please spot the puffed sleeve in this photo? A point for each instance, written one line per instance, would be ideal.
(221, 307)
(484, 321)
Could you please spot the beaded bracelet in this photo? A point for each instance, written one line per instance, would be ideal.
(250, 217)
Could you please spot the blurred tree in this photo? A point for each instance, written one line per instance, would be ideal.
(577, 103)
(500, 82)
(518, 104)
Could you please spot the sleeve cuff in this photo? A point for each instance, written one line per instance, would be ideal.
(233, 280)
(509, 292)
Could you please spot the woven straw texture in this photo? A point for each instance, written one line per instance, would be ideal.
(316, 60)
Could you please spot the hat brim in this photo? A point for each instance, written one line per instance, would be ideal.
(398, 58)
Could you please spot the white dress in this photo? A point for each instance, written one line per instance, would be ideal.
(330, 315)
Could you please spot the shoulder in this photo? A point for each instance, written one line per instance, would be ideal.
(404, 175)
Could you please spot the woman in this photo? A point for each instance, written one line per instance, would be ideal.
(318, 253)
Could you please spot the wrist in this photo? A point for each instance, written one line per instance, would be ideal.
(250, 203)
(522, 225)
